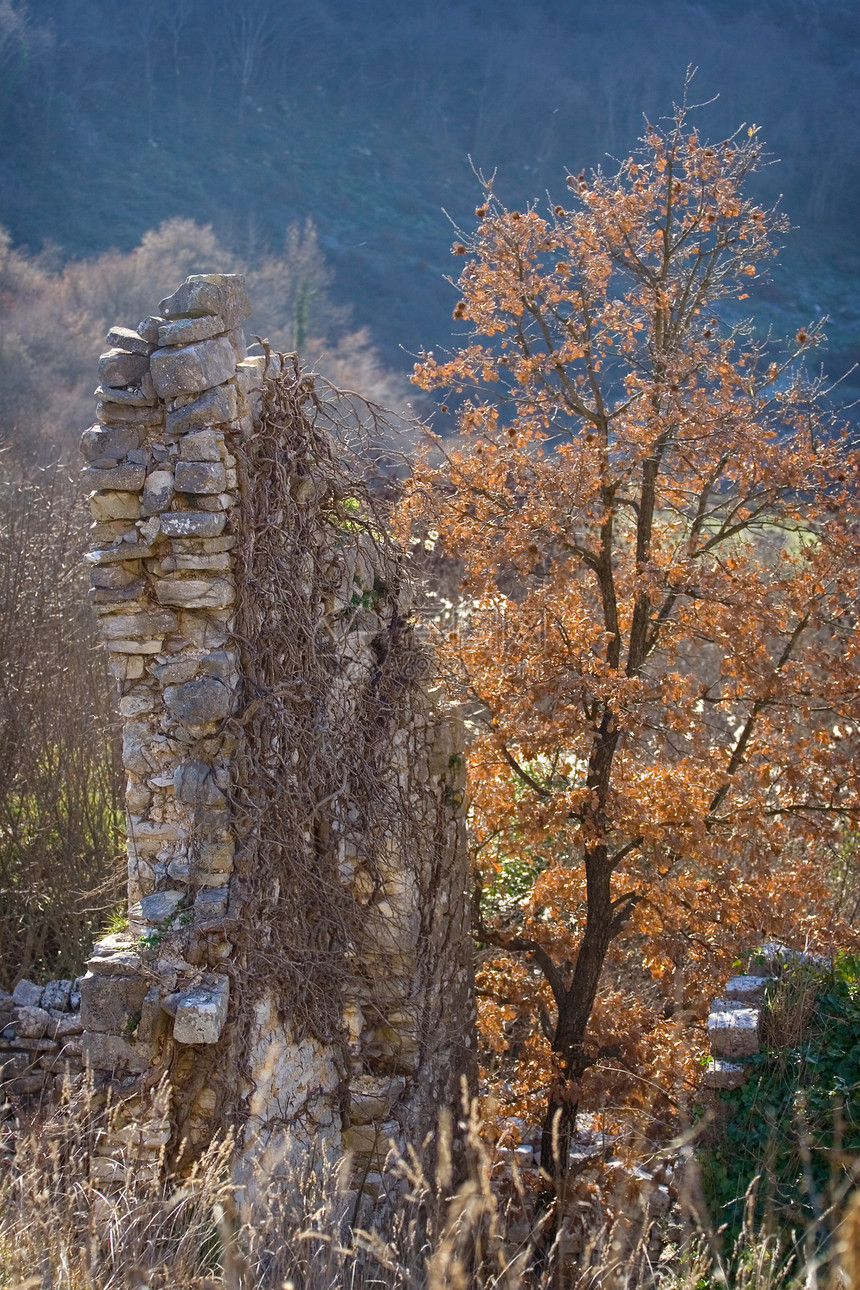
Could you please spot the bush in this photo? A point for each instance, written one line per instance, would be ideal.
(786, 1136)
(60, 815)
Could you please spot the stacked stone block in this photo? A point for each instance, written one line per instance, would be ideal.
(735, 1020)
(40, 1039)
(177, 398)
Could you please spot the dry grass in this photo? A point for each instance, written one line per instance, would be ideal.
(60, 1230)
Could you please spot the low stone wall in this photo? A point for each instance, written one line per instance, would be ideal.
(735, 1019)
(40, 1040)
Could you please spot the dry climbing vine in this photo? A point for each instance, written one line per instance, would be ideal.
(328, 661)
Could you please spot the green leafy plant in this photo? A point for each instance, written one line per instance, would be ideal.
(796, 1121)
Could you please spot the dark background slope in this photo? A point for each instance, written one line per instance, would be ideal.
(252, 115)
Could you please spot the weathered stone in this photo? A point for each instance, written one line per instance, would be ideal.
(119, 369)
(160, 906)
(114, 956)
(32, 1022)
(192, 368)
(131, 646)
(210, 293)
(193, 524)
(99, 443)
(115, 506)
(202, 1012)
(124, 416)
(121, 552)
(27, 994)
(56, 995)
(113, 577)
(221, 663)
(197, 702)
(195, 593)
(200, 445)
(103, 1051)
(66, 1024)
(215, 407)
(144, 396)
(371, 1099)
(184, 331)
(194, 783)
(733, 1030)
(25, 1085)
(748, 989)
(217, 563)
(200, 477)
(118, 479)
(125, 338)
(138, 625)
(204, 546)
(111, 1003)
(157, 492)
(149, 329)
(211, 902)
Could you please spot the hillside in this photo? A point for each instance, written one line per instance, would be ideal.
(250, 117)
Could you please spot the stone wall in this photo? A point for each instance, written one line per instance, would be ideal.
(40, 1039)
(192, 1000)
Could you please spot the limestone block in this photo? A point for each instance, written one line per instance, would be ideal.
(202, 1012)
(66, 1024)
(175, 672)
(129, 646)
(193, 524)
(200, 477)
(27, 995)
(144, 396)
(184, 331)
(733, 1030)
(215, 407)
(119, 368)
(32, 1022)
(724, 1075)
(125, 668)
(115, 506)
(197, 702)
(249, 374)
(57, 995)
(194, 782)
(122, 415)
(199, 445)
(371, 1098)
(149, 329)
(103, 1051)
(138, 753)
(13, 1064)
(123, 551)
(222, 663)
(111, 1004)
(209, 293)
(115, 956)
(211, 902)
(206, 546)
(112, 576)
(131, 341)
(157, 492)
(138, 625)
(192, 368)
(99, 443)
(138, 704)
(748, 989)
(160, 906)
(195, 593)
(217, 563)
(127, 479)
(25, 1085)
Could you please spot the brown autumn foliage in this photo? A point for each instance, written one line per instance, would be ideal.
(657, 635)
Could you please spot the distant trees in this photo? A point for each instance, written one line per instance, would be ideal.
(657, 642)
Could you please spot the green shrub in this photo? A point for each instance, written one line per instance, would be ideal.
(795, 1125)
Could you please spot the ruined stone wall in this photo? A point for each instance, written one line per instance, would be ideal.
(267, 776)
